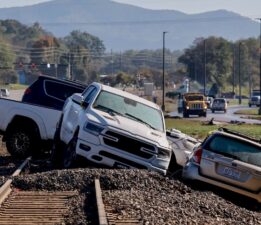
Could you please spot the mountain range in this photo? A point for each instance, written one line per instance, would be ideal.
(122, 26)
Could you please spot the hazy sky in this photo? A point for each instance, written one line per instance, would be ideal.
(250, 8)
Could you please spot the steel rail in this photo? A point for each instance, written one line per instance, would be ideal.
(5, 189)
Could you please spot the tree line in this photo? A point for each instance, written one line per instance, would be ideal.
(82, 56)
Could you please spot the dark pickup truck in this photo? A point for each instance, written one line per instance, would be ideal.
(51, 92)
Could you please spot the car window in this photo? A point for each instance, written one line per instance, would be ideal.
(59, 91)
(89, 93)
(219, 100)
(237, 149)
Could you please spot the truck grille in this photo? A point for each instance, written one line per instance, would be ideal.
(128, 144)
(196, 106)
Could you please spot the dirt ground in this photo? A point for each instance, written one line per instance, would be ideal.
(3, 151)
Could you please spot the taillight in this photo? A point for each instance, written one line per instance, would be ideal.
(27, 91)
(197, 155)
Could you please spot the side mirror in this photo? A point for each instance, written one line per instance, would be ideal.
(77, 98)
(84, 104)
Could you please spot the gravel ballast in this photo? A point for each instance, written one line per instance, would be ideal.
(148, 196)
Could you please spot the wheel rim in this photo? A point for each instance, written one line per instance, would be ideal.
(70, 154)
(21, 143)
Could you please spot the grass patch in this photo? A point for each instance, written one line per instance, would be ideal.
(247, 111)
(235, 102)
(198, 130)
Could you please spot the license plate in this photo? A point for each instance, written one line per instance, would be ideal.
(231, 173)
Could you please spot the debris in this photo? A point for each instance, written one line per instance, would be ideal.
(237, 122)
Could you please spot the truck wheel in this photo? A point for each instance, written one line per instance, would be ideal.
(57, 148)
(249, 105)
(20, 142)
(213, 111)
(205, 114)
(69, 154)
(174, 169)
(57, 152)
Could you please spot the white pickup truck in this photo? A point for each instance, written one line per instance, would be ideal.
(112, 128)
(26, 128)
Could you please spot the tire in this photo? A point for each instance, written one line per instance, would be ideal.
(57, 152)
(174, 169)
(185, 115)
(213, 111)
(57, 148)
(20, 142)
(69, 154)
(249, 105)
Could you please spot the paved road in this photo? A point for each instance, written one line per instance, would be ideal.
(15, 95)
(223, 117)
(218, 116)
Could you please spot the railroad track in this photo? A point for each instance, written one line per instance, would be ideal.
(109, 216)
(19, 207)
(31, 207)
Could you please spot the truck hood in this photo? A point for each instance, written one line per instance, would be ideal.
(128, 125)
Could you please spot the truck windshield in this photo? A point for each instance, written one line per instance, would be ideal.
(119, 105)
(194, 98)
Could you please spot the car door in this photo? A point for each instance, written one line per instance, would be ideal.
(233, 162)
(72, 115)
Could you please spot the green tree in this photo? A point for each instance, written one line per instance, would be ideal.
(7, 57)
(218, 60)
(84, 48)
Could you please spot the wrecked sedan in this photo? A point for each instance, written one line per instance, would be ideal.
(182, 146)
(229, 160)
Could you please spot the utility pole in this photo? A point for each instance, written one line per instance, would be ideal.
(120, 61)
(69, 66)
(111, 63)
(260, 64)
(233, 70)
(163, 73)
(239, 73)
(205, 67)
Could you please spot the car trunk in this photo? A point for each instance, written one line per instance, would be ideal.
(233, 162)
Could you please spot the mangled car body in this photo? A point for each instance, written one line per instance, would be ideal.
(229, 160)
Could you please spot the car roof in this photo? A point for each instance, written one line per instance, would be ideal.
(125, 94)
(219, 99)
(44, 77)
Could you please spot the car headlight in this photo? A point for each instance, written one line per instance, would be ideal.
(93, 128)
(187, 107)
